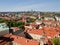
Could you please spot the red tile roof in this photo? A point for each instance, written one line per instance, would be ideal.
(51, 32)
(5, 39)
(24, 41)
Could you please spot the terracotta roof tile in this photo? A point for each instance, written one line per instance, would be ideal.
(24, 41)
(48, 31)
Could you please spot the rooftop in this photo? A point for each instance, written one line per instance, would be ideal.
(5, 39)
(51, 32)
(24, 41)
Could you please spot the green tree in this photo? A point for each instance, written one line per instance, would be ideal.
(56, 41)
(30, 19)
(1, 20)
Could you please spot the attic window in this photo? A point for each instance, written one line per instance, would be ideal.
(17, 37)
(45, 44)
(59, 34)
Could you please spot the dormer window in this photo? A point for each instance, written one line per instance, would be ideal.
(59, 34)
(45, 44)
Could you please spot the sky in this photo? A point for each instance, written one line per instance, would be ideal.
(28, 5)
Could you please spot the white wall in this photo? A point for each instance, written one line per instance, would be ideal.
(15, 43)
(35, 36)
(4, 32)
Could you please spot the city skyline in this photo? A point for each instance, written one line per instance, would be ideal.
(28, 5)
